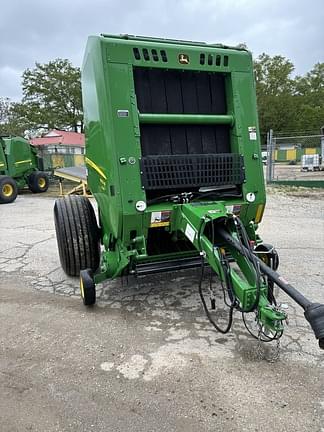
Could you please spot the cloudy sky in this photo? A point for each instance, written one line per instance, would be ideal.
(42, 30)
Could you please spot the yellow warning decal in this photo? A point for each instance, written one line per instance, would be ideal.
(160, 218)
(95, 167)
(23, 161)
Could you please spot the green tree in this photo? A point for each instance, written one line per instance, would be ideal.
(7, 125)
(51, 97)
(288, 104)
(274, 89)
(309, 96)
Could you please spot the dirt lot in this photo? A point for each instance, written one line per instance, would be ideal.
(145, 358)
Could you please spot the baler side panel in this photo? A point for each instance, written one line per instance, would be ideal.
(20, 159)
(128, 151)
(3, 161)
(246, 129)
(101, 156)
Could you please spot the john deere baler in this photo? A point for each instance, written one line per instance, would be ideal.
(174, 163)
(18, 168)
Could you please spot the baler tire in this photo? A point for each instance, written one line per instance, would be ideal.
(8, 190)
(38, 182)
(77, 234)
(87, 287)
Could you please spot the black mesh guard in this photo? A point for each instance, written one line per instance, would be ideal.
(198, 170)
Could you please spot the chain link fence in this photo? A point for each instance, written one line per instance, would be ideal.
(294, 158)
(54, 156)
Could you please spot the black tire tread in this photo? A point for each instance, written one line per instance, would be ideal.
(89, 287)
(33, 181)
(7, 179)
(77, 234)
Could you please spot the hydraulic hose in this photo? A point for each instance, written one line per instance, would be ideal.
(210, 319)
(278, 280)
(313, 312)
(252, 259)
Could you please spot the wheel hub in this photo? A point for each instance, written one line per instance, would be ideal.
(7, 190)
(41, 182)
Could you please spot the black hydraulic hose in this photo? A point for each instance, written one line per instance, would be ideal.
(214, 194)
(210, 319)
(202, 271)
(194, 195)
(247, 252)
(277, 279)
(313, 312)
(160, 198)
(277, 335)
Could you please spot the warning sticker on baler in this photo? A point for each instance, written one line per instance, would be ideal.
(252, 133)
(234, 209)
(190, 233)
(160, 218)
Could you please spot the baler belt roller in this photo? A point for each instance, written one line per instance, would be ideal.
(221, 119)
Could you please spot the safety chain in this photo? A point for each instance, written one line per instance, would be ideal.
(261, 354)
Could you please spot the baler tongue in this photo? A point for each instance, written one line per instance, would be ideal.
(218, 235)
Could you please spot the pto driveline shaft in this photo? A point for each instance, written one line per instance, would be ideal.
(274, 276)
(313, 312)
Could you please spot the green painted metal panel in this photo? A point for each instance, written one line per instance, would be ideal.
(69, 160)
(282, 155)
(185, 119)
(3, 161)
(47, 160)
(18, 156)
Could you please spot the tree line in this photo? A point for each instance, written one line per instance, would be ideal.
(52, 98)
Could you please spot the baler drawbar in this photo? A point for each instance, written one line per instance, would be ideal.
(174, 163)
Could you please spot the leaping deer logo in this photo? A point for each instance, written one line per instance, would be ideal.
(183, 59)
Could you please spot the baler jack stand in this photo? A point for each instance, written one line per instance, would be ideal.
(221, 238)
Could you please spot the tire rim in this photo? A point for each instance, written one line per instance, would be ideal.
(41, 182)
(7, 190)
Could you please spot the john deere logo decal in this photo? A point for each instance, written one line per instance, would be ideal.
(183, 59)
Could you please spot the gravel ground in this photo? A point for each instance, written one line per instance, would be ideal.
(145, 358)
(294, 172)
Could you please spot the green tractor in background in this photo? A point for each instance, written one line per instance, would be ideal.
(19, 168)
